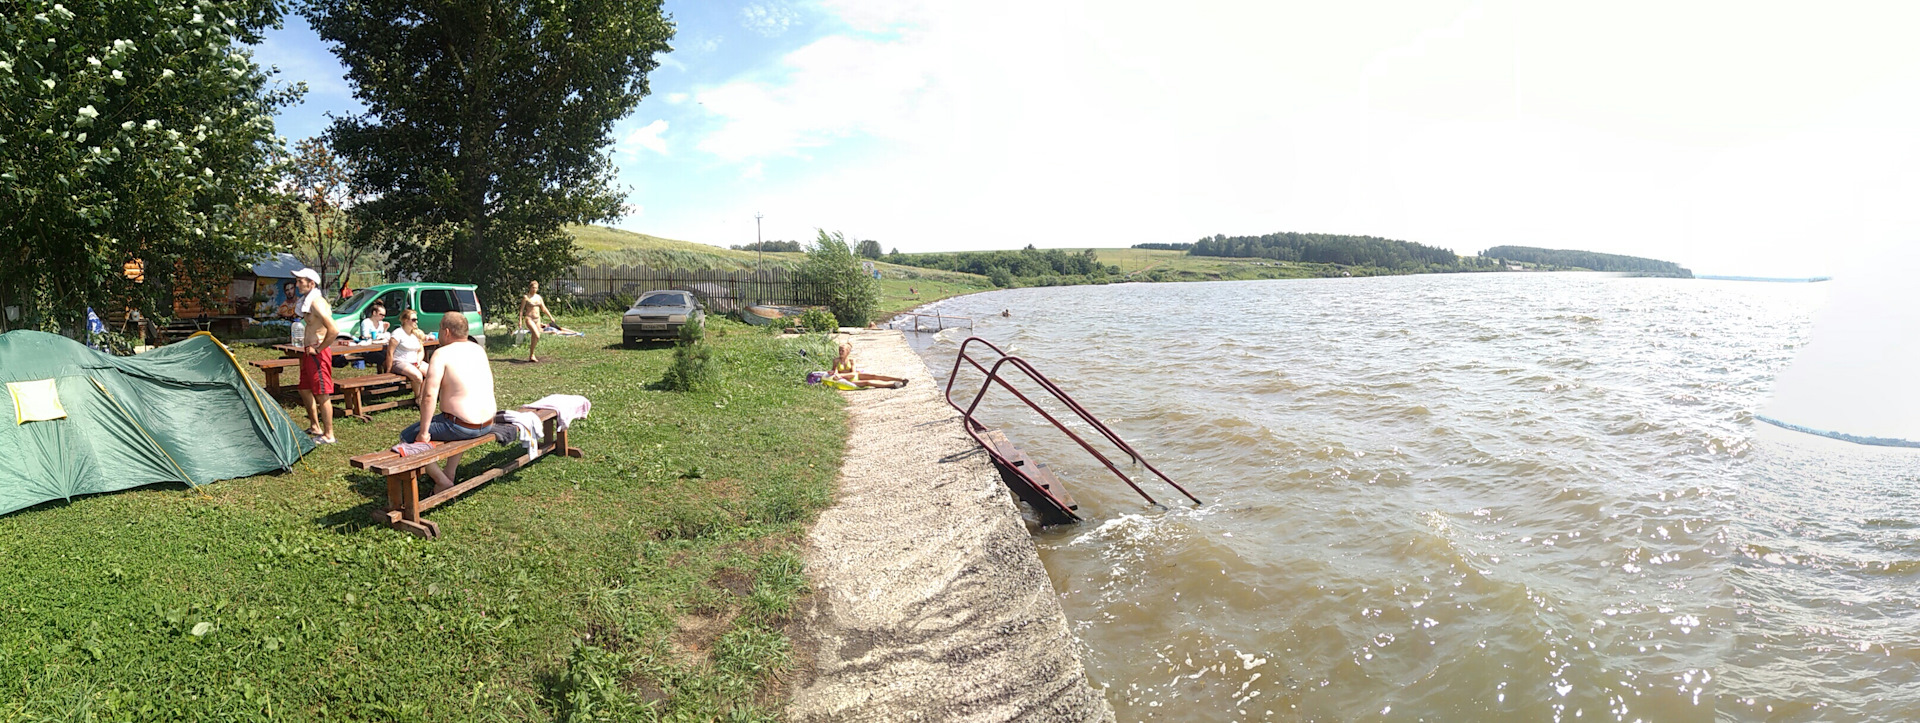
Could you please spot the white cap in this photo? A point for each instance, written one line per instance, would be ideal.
(308, 274)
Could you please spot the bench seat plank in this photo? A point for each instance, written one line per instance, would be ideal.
(404, 504)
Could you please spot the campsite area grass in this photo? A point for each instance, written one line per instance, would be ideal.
(652, 579)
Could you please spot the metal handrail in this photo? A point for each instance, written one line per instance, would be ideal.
(993, 376)
(940, 321)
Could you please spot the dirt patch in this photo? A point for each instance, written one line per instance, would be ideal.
(694, 635)
(733, 580)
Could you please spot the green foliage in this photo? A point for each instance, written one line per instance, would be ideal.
(1328, 249)
(487, 126)
(693, 368)
(1000, 276)
(816, 320)
(1025, 263)
(1588, 260)
(128, 131)
(788, 246)
(852, 294)
(868, 249)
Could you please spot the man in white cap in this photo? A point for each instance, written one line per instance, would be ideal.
(316, 355)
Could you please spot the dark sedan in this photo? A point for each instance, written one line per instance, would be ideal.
(659, 315)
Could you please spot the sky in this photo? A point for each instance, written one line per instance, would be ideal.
(1742, 138)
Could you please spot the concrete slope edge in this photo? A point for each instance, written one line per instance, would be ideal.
(930, 602)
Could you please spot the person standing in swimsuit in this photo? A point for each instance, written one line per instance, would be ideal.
(531, 307)
(316, 356)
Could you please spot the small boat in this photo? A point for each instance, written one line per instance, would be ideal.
(764, 314)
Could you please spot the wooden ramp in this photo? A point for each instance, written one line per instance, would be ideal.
(1031, 480)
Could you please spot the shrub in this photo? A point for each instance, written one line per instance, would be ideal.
(817, 320)
(692, 366)
(851, 293)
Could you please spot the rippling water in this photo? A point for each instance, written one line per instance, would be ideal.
(1466, 497)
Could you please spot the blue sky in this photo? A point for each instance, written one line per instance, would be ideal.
(1732, 137)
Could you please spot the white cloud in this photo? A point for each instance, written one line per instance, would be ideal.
(677, 98)
(647, 138)
(1701, 134)
(770, 19)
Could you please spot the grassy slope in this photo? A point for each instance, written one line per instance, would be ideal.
(897, 283)
(659, 568)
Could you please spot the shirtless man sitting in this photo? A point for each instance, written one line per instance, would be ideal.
(460, 383)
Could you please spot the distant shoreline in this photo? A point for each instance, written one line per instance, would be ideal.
(1773, 279)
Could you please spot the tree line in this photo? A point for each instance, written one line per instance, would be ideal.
(1002, 267)
(1324, 248)
(1588, 260)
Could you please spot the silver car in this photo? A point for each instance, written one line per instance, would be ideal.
(659, 315)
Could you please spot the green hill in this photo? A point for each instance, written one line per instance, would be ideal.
(614, 247)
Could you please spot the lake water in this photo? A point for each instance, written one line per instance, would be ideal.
(1491, 497)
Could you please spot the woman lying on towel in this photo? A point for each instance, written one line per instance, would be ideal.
(845, 374)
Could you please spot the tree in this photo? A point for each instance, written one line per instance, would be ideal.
(315, 211)
(132, 133)
(869, 249)
(487, 126)
(851, 293)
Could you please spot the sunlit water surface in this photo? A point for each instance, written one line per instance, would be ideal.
(1492, 497)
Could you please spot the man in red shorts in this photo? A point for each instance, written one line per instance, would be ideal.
(316, 355)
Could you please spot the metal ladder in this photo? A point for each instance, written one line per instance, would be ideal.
(1026, 477)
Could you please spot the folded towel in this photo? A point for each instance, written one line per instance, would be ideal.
(413, 448)
(524, 426)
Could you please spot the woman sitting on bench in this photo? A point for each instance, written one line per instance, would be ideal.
(407, 351)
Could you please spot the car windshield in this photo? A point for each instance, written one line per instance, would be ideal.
(353, 304)
(663, 300)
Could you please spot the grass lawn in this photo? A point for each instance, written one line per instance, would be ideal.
(651, 579)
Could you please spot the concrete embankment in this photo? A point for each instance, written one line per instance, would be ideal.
(930, 602)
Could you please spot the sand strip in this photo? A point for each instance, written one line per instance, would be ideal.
(930, 602)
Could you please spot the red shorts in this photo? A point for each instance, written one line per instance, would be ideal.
(316, 371)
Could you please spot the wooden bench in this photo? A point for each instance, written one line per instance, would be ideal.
(404, 504)
(272, 368)
(353, 392)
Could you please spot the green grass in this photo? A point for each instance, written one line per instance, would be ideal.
(650, 580)
(615, 247)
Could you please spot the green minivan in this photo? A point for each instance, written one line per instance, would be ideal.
(431, 301)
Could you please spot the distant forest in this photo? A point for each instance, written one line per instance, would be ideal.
(793, 246)
(1001, 267)
(1323, 248)
(1588, 260)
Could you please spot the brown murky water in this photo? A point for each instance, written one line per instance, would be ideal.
(1518, 497)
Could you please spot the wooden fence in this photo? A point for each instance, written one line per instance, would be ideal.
(722, 291)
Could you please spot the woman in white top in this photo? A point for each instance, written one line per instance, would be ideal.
(406, 352)
(374, 327)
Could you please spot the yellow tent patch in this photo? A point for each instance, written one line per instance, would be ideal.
(35, 401)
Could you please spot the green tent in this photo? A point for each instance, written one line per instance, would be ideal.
(95, 422)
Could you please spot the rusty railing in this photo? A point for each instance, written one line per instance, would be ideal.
(993, 376)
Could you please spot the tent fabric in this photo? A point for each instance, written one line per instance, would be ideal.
(184, 412)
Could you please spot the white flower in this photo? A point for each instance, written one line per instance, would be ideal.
(118, 76)
(198, 18)
(127, 126)
(166, 73)
(93, 61)
(48, 82)
(87, 112)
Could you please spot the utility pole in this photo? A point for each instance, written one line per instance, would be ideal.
(758, 244)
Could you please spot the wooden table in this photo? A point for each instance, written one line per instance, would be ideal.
(292, 351)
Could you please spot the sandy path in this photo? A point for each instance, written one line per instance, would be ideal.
(930, 603)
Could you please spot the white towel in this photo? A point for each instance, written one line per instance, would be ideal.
(306, 302)
(527, 426)
(568, 406)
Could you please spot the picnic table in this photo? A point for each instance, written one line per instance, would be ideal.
(352, 392)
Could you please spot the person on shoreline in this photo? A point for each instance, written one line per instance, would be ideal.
(316, 355)
(459, 384)
(843, 371)
(531, 307)
(406, 350)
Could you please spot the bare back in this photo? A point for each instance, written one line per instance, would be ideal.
(465, 381)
